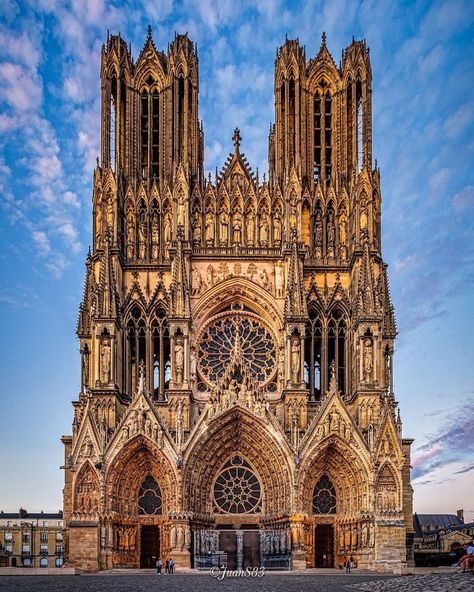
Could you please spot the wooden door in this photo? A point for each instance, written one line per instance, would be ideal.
(324, 545)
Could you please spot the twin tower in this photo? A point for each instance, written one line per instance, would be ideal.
(236, 333)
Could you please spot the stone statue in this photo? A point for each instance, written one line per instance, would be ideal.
(293, 219)
(109, 213)
(181, 211)
(180, 537)
(167, 227)
(210, 276)
(237, 228)
(265, 280)
(368, 360)
(155, 235)
(331, 229)
(224, 227)
(142, 236)
(279, 284)
(210, 229)
(264, 230)
(343, 228)
(179, 361)
(318, 229)
(281, 364)
(130, 235)
(197, 228)
(363, 214)
(105, 357)
(197, 282)
(295, 360)
(98, 225)
(277, 228)
(250, 229)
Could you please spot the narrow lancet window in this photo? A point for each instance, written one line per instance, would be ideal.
(360, 124)
(317, 138)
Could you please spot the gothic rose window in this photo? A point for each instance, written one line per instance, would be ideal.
(237, 489)
(324, 496)
(239, 335)
(149, 497)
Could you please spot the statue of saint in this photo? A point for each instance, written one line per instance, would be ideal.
(210, 229)
(142, 236)
(368, 360)
(197, 228)
(295, 360)
(98, 225)
(331, 230)
(179, 361)
(278, 279)
(264, 230)
(318, 229)
(155, 235)
(197, 281)
(181, 211)
(250, 229)
(237, 228)
(363, 214)
(293, 218)
(105, 361)
(130, 235)
(343, 228)
(277, 228)
(167, 227)
(109, 213)
(224, 227)
(210, 276)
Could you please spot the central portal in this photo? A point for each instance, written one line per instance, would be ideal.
(324, 545)
(149, 546)
(245, 543)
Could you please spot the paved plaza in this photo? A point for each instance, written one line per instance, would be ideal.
(314, 582)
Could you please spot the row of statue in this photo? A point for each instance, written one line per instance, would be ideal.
(275, 542)
(245, 395)
(354, 536)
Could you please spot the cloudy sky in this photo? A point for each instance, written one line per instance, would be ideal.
(423, 68)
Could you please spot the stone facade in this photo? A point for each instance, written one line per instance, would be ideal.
(236, 334)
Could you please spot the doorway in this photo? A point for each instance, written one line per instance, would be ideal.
(149, 546)
(228, 544)
(251, 548)
(324, 545)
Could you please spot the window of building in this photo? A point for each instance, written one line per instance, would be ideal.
(237, 489)
(313, 345)
(59, 536)
(44, 549)
(324, 496)
(149, 497)
(43, 536)
(161, 352)
(9, 548)
(25, 537)
(59, 562)
(25, 549)
(359, 122)
(45, 523)
(8, 536)
(26, 562)
(59, 550)
(44, 562)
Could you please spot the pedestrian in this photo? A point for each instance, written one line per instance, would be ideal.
(167, 566)
(171, 565)
(347, 564)
(159, 565)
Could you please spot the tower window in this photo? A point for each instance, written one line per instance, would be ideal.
(181, 123)
(322, 135)
(144, 134)
(360, 128)
(313, 343)
(349, 124)
(155, 133)
(317, 138)
(113, 123)
(328, 136)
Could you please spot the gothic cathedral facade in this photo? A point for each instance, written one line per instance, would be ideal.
(236, 333)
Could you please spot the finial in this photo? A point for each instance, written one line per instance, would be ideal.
(141, 378)
(97, 161)
(333, 379)
(323, 38)
(148, 31)
(237, 139)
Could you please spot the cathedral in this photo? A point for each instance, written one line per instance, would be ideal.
(236, 332)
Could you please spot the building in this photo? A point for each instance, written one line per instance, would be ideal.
(31, 539)
(236, 333)
(441, 532)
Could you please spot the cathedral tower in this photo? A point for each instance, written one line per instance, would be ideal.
(236, 336)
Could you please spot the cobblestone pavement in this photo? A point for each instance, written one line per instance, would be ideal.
(440, 582)
(308, 582)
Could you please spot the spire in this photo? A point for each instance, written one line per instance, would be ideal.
(366, 295)
(323, 39)
(83, 322)
(141, 388)
(237, 139)
(179, 287)
(149, 36)
(295, 303)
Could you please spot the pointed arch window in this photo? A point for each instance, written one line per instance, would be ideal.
(324, 496)
(313, 351)
(337, 348)
(359, 125)
(161, 353)
(136, 350)
(149, 132)
(291, 121)
(349, 124)
(181, 118)
(149, 497)
(113, 123)
(322, 134)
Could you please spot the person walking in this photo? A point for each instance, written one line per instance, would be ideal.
(159, 565)
(167, 566)
(171, 565)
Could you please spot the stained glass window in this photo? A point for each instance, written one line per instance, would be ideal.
(324, 496)
(237, 489)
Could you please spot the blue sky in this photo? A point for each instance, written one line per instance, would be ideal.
(423, 68)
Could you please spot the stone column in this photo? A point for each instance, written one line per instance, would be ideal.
(297, 541)
(240, 549)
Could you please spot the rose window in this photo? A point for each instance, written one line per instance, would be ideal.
(324, 496)
(242, 335)
(237, 489)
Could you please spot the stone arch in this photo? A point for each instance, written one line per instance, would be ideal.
(128, 469)
(346, 469)
(237, 432)
(242, 290)
(86, 490)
